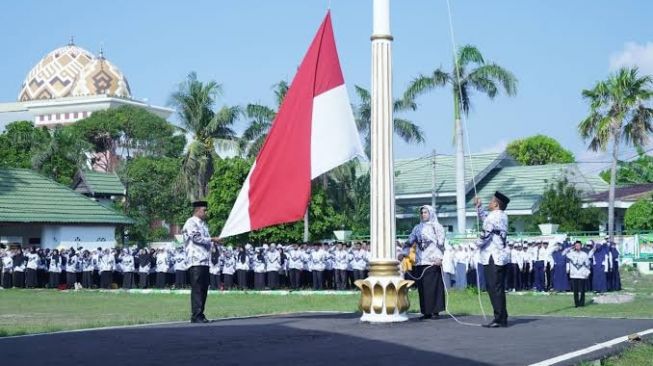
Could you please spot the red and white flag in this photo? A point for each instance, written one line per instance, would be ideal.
(313, 132)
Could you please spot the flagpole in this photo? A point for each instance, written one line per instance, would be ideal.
(384, 294)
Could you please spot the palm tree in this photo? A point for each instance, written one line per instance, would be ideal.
(486, 78)
(261, 118)
(618, 113)
(194, 101)
(405, 129)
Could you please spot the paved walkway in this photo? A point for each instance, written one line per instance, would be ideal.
(323, 339)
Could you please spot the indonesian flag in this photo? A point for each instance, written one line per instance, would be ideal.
(313, 132)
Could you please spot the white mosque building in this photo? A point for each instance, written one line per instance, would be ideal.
(69, 84)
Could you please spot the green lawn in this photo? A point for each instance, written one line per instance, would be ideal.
(35, 311)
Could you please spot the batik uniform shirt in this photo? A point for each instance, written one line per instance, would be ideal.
(197, 242)
(341, 259)
(318, 260)
(180, 261)
(579, 263)
(272, 260)
(259, 263)
(128, 263)
(32, 260)
(7, 263)
(430, 243)
(295, 259)
(493, 245)
(229, 265)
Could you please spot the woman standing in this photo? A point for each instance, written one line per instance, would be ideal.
(54, 269)
(429, 237)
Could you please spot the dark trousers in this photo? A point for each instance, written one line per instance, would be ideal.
(242, 279)
(30, 278)
(318, 278)
(494, 279)
(54, 279)
(358, 274)
(161, 279)
(538, 268)
(142, 279)
(105, 279)
(71, 278)
(259, 280)
(273, 280)
(7, 279)
(127, 280)
(341, 279)
(199, 284)
(295, 278)
(180, 279)
(578, 286)
(516, 277)
(214, 281)
(430, 289)
(19, 279)
(87, 279)
(228, 281)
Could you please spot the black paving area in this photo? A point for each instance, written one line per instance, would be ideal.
(322, 339)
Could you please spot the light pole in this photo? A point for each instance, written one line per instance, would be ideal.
(384, 294)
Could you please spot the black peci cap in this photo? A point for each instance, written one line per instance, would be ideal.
(502, 198)
(197, 204)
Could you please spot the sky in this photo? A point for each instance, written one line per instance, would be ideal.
(555, 48)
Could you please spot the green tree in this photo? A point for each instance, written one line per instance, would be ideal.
(129, 131)
(151, 195)
(224, 188)
(633, 172)
(194, 101)
(261, 118)
(539, 150)
(408, 131)
(639, 216)
(562, 204)
(62, 156)
(20, 142)
(464, 79)
(618, 114)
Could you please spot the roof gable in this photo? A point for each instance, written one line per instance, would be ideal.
(27, 197)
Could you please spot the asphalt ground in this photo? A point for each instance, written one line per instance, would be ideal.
(324, 339)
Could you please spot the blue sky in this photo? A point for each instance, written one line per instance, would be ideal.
(555, 48)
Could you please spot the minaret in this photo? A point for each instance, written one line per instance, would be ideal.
(384, 294)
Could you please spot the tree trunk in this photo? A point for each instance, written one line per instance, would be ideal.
(460, 167)
(306, 232)
(613, 182)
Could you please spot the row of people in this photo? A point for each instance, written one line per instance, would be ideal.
(332, 266)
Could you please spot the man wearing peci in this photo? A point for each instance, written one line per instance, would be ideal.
(197, 244)
(493, 254)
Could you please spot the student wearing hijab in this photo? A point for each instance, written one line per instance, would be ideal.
(242, 267)
(7, 267)
(54, 268)
(19, 268)
(428, 236)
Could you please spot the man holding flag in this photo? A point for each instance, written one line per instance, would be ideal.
(197, 243)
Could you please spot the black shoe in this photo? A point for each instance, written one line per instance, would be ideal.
(436, 316)
(425, 317)
(200, 320)
(495, 325)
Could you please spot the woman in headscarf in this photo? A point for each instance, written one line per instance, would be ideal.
(429, 239)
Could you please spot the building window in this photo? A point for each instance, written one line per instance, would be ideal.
(75, 115)
(66, 115)
(41, 118)
(58, 116)
(34, 241)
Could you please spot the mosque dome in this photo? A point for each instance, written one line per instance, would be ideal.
(55, 75)
(100, 76)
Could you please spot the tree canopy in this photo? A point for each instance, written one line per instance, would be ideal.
(562, 204)
(639, 216)
(539, 150)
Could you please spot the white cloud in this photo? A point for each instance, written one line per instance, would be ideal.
(634, 54)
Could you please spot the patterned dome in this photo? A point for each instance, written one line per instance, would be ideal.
(54, 76)
(100, 76)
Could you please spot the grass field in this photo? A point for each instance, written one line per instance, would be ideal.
(36, 311)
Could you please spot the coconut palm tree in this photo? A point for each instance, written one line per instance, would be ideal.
(405, 129)
(618, 114)
(261, 118)
(194, 101)
(470, 74)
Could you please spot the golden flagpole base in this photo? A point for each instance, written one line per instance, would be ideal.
(384, 294)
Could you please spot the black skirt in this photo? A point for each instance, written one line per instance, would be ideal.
(431, 289)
